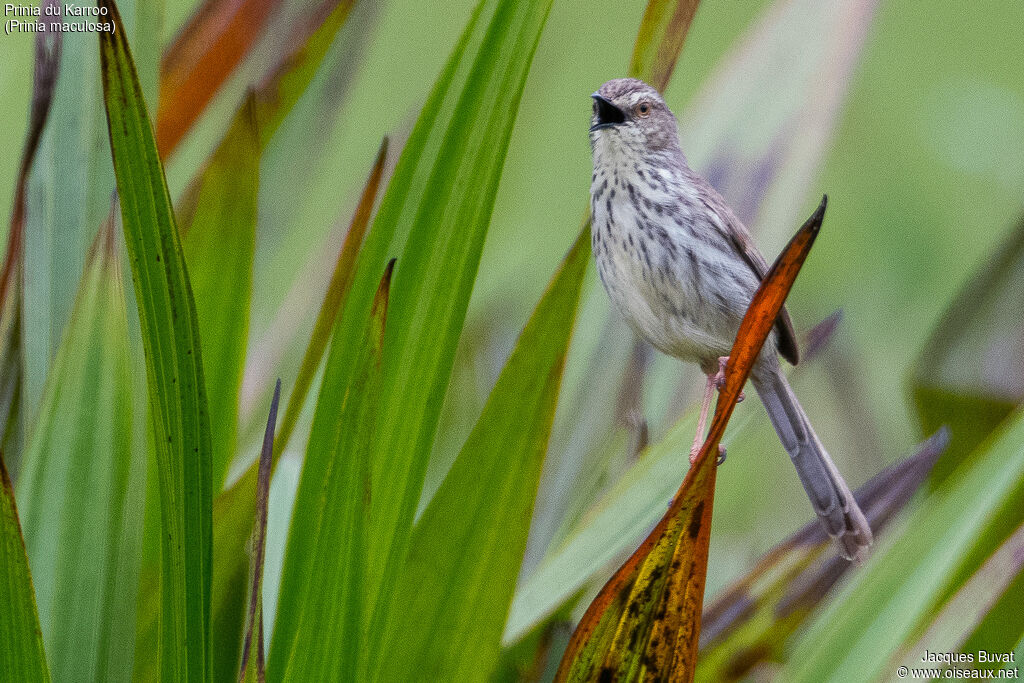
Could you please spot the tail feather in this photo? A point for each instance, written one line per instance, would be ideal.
(829, 494)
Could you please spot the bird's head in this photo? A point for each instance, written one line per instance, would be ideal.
(631, 118)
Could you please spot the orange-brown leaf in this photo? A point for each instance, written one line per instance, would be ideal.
(207, 49)
(645, 622)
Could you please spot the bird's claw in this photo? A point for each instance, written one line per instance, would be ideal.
(721, 455)
(719, 377)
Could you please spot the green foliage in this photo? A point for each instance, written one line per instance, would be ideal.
(319, 632)
(482, 503)
(219, 243)
(174, 368)
(21, 641)
(82, 484)
(893, 597)
(545, 497)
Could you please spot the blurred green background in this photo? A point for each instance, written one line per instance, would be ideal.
(924, 173)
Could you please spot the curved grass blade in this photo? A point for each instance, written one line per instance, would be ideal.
(441, 196)
(21, 641)
(84, 483)
(259, 540)
(206, 51)
(325, 642)
(48, 47)
(754, 618)
(275, 97)
(466, 549)
(645, 622)
(219, 242)
(174, 369)
(232, 509)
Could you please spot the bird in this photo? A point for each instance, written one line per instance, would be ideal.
(681, 269)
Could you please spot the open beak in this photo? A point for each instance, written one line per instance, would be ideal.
(608, 114)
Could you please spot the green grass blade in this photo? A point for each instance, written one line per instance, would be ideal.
(71, 185)
(1001, 627)
(892, 599)
(83, 484)
(447, 225)
(219, 243)
(233, 509)
(324, 640)
(21, 641)
(177, 394)
(334, 300)
(466, 549)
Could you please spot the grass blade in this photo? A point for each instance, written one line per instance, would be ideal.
(324, 641)
(1000, 629)
(21, 641)
(233, 508)
(663, 30)
(447, 225)
(219, 243)
(84, 482)
(891, 601)
(259, 540)
(645, 622)
(334, 299)
(174, 369)
(466, 549)
(48, 47)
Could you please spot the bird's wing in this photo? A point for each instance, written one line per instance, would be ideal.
(744, 244)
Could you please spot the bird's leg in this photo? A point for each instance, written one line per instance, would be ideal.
(702, 420)
(720, 376)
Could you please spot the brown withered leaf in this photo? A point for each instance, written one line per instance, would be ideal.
(645, 622)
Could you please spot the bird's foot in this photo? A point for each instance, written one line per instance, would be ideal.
(721, 455)
(719, 377)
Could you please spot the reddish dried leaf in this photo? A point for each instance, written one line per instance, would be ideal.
(646, 620)
(207, 49)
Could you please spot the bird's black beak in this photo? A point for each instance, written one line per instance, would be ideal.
(608, 114)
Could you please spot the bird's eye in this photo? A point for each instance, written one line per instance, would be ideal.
(643, 109)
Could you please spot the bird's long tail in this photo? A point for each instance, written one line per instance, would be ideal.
(829, 494)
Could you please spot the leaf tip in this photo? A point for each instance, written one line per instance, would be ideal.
(819, 213)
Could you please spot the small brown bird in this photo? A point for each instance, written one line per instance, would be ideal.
(682, 269)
